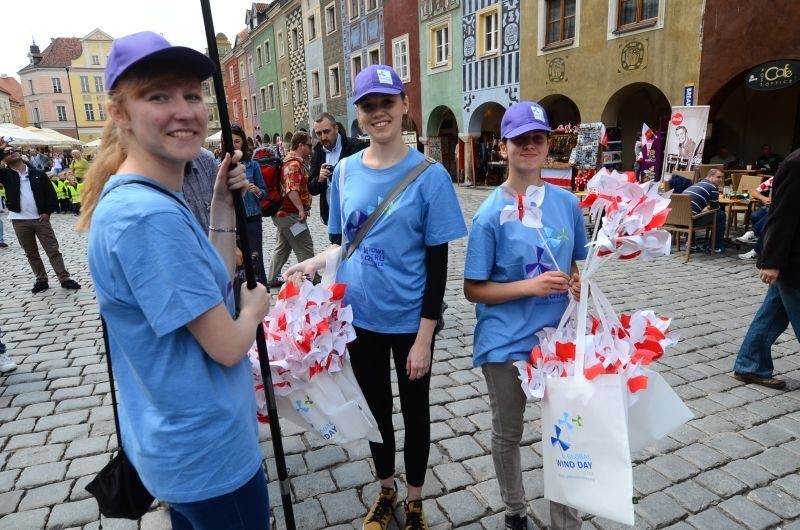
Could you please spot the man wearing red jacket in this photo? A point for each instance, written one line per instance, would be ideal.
(779, 262)
(31, 200)
(290, 221)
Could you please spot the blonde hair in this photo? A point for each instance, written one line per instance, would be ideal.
(113, 150)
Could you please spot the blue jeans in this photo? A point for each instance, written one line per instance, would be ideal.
(247, 508)
(759, 219)
(705, 221)
(780, 306)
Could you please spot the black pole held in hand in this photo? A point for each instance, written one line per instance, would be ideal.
(249, 270)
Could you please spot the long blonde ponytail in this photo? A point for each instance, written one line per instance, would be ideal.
(110, 157)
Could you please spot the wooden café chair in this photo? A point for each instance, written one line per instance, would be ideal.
(748, 183)
(680, 220)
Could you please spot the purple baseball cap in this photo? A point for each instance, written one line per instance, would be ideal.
(377, 79)
(523, 117)
(133, 49)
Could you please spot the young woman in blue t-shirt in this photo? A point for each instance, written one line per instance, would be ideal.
(520, 268)
(395, 280)
(186, 402)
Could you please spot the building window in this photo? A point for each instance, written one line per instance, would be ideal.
(633, 13)
(271, 96)
(244, 107)
(353, 6)
(36, 116)
(255, 105)
(241, 71)
(30, 86)
(284, 92)
(488, 31)
(206, 89)
(56, 85)
(232, 74)
(330, 18)
(95, 59)
(250, 65)
(101, 111)
(312, 28)
(439, 45)
(89, 109)
(267, 53)
(371, 5)
(298, 91)
(560, 21)
(259, 58)
(264, 99)
(295, 43)
(281, 45)
(315, 84)
(85, 83)
(400, 58)
(334, 88)
(357, 66)
(61, 110)
(235, 110)
(374, 56)
(98, 84)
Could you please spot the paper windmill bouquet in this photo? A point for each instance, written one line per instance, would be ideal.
(307, 332)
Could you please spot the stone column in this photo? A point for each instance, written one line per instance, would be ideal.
(424, 141)
(469, 178)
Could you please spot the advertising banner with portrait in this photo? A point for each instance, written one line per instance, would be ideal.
(685, 139)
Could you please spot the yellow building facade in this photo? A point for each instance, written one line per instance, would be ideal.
(87, 84)
(587, 61)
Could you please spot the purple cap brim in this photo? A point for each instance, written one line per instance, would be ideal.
(528, 127)
(380, 90)
(179, 55)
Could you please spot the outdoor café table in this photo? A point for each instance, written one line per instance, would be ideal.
(728, 203)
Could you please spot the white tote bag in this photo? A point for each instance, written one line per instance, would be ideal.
(587, 460)
(657, 412)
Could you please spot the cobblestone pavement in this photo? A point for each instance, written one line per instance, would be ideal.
(733, 466)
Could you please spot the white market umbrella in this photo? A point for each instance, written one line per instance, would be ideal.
(55, 137)
(215, 138)
(95, 143)
(17, 135)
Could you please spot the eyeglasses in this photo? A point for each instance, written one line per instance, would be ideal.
(530, 138)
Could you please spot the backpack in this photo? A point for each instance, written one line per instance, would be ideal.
(272, 170)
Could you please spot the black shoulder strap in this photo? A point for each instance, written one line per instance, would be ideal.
(149, 185)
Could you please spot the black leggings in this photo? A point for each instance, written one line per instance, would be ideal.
(369, 355)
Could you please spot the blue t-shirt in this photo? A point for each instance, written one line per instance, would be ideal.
(386, 275)
(187, 422)
(512, 252)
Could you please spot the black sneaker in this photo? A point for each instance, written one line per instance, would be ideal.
(70, 284)
(517, 522)
(3, 244)
(38, 287)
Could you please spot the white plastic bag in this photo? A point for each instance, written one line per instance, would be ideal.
(657, 412)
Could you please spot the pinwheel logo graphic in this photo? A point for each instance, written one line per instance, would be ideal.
(354, 224)
(538, 266)
(562, 429)
(302, 406)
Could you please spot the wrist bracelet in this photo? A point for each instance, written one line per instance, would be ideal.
(225, 230)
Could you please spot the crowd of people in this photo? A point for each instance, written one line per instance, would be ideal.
(153, 198)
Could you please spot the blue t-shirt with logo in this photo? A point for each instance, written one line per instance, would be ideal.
(187, 422)
(512, 252)
(386, 275)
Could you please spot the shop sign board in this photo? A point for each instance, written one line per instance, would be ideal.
(774, 75)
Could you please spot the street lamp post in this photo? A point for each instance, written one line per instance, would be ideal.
(72, 99)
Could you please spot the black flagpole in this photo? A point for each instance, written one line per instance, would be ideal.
(244, 244)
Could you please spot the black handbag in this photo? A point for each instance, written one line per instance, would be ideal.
(117, 487)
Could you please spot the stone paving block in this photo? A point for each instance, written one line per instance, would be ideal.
(692, 496)
(42, 474)
(462, 426)
(325, 457)
(467, 407)
(352, 474)
(788, 424)
(789, 484)
(713, 519)
(748, 513)
(46, 496)
(453, 476)
(69, 433)
(778, 461)
(463, 392)
(767, 435)
(734, 445)
(9, 501)
(659, 509)
(461, 507)
(87, 465)
(748, 472)
(481, 468)
(7, 479)
(30, 456)
(483, 420)
(307, 515)
(37, 410)
(15, 378)
(9, 413)
(73, 514)
(533, 483)
(295, 466)
(30, 398)
(713, 425)
(313, 484)
(26, 440)
(721, 483)
(702, 456)
(674, 468)
(48, 423)
(439, 413)
(78, 403)
(86, 447)
(432, 487)
(461, 448)
(72, 392)
(440, 431)
(79, 492)
(777, 501)
(30, 519)
(342, 506)
(24, 388)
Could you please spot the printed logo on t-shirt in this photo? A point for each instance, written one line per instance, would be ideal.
(539, 265)
(372, 257)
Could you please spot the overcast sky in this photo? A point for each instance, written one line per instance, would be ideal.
(180, 21)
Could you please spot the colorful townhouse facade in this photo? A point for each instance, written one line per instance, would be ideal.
(363, 45)
(263, 37)
(86, 84)
(18, 114)
(333, 59)
(401, 39)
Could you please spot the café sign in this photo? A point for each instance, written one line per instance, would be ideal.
(774, 75)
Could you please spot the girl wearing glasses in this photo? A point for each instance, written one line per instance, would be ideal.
(520, 267)
(395, 280)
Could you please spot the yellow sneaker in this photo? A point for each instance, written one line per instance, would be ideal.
(415, 517)
(382, 511)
